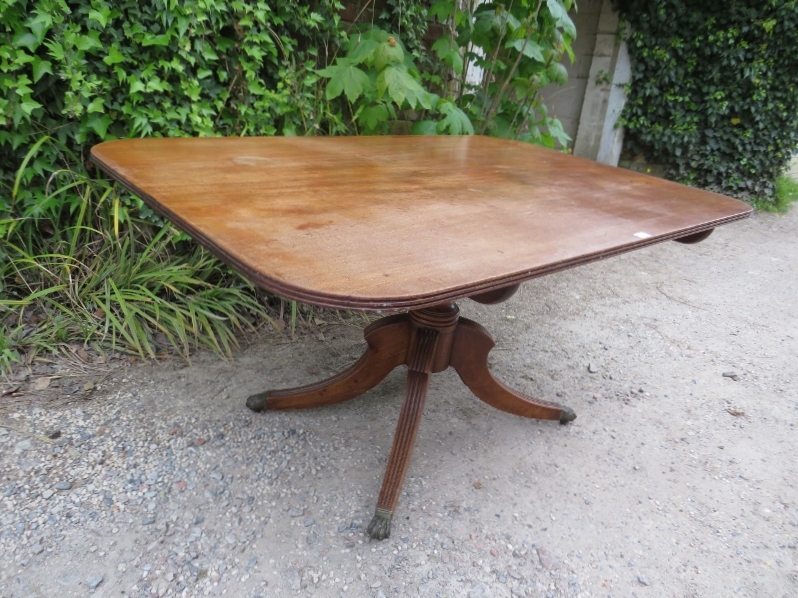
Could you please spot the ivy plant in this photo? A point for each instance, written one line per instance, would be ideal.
(714, 91)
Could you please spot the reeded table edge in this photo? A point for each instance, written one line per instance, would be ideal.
(336, 301)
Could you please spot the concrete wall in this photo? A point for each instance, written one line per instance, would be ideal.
(591, 102)
(565, 102)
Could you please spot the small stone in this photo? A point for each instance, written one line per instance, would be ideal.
(93, 582)
(63, 485)
(592, 368)
(47, 494)
(22, 446)
(231, 539)
(546, 560)
(67, 579)
(480, 590)
(37, 549)
(519, 591)
(642, 580)
(3, 432)
(376, 584)
(148, 520)
(494, 552)
(732, 375)
(296, 512)
(309, 522)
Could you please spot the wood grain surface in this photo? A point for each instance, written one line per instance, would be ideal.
(402, 222)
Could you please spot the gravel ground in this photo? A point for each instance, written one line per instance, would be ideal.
(678, 477)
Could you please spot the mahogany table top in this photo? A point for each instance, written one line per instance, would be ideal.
(402, 222)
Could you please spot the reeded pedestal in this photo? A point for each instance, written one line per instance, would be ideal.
(426, 341)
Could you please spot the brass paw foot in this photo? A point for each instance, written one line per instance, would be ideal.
(567, 415)
(380, 526)
(258, 402)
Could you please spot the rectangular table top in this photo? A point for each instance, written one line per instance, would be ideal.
(402, 222)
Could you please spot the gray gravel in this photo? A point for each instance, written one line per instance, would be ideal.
(675, 480)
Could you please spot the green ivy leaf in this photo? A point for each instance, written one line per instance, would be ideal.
(114, 56)
(101, 16)
(96, 105)
(26, 39)
(40, 67)
(99, 124)
(156, 40)
(136, 85)
(28, 106)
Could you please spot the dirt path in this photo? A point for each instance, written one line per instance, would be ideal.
(674, 480)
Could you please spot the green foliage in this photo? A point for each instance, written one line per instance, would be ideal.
(785, 195)
(518, 50)
(89, 262)
(714, 91)
(103, 280)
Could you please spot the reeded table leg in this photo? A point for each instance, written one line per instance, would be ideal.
(387, 348)
(472, 343)
(428, 341)
(415, 396)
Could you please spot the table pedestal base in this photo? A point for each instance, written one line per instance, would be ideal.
(427, 341)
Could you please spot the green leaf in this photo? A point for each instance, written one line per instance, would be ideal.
(442, 46)
(373, 116)
(363, 51)
(28, 106)
(25, 39)
(401, 86)
(557, 73)
(344, 77)
(99, 124)
(96, 105)
(425, 127)
(136, 85)
(442, 10)
(85, 42)
(114, 56)
(388, 53)
(560, 15)
(455, 121)
(101, 16)
(40, 67)
(454, 60)
(157, 40)
(530, 48)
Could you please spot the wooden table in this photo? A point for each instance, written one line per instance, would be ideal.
(406, 223)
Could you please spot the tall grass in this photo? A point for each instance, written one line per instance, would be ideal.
(82, 259)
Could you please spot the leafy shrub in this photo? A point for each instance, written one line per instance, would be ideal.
(91, 261)
(714, 91)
